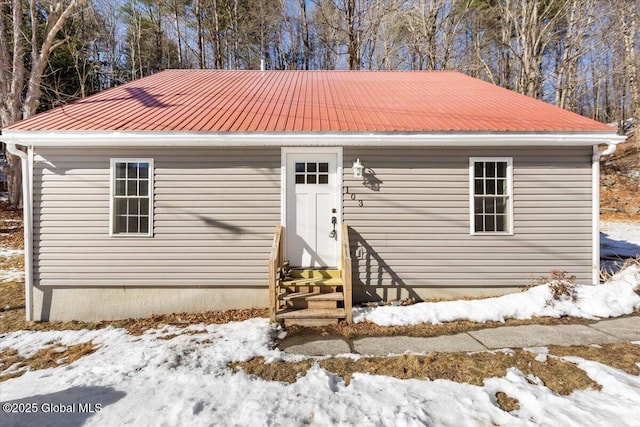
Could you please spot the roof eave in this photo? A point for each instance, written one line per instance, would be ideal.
(239, 139)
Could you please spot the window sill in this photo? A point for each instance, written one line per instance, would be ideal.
(492, 233)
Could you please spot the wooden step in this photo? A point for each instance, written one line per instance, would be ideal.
(312, 299)
(331, 282)
(313, 296)
(307, 313)
(315, 273)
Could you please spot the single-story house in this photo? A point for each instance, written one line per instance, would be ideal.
(189, 189)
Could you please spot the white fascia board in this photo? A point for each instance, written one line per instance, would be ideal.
(239, 139)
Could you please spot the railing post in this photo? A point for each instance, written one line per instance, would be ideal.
(275, 261)
(346, 274)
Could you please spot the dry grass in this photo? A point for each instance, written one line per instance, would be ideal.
(507, 403)
(367, 329)
(12, 316)
(11, 232)
(623, 356)
(606, 274)
(558, 375)
(48, 357)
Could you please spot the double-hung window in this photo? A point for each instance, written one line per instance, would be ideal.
(131, 197)
(491, 195)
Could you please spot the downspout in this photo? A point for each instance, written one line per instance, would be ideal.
(27, 216)
(595, 168)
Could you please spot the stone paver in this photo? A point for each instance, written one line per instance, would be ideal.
(320, 347)
(626, 328)
(383, 346)
(541, 335)
(602, 332)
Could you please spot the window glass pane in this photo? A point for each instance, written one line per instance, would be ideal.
(479, 170)
(478, 205)
(491, 169)
(144, 206)
(132, 222)
(133, 206)
(500, 223)
(144, 224)
(479, 186)
(489, 206)
(311, 179)
(501, 186)
(144, 170)
(324, 179)
(120, 187)
(501, 205)
(121, 170)
(299, 179)
(502, 169)
(489, 223)
(299, 167)
(144, 187)
(491, 186)
(132, 187)
(479, 222)
(324, 167)
(120, 206)
(132, 170)
(120, 225)
(311, 167)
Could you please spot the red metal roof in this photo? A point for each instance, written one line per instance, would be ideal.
(308, 101)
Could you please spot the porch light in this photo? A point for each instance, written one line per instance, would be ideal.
(357, 169)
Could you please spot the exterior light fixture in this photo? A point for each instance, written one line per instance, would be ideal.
(357, 169)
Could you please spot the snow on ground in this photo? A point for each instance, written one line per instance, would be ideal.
(619, 240)
(180, 377)
(614, 298)
(12, 274)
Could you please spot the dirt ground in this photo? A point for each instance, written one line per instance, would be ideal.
(620, 183)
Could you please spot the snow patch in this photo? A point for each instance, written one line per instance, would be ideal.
(614, 298)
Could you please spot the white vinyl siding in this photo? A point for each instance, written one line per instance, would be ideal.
(131, 197)
(491, 195)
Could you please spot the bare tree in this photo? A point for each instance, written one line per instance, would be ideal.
(630, 33)
(20, 85)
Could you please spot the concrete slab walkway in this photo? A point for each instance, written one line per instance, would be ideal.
(601, 332)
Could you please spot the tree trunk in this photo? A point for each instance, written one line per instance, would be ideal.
(630, 33)
(16, 104)
(352, 36)
(306, 43)
(200, 33)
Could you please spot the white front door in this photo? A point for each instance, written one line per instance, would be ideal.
(313, 211)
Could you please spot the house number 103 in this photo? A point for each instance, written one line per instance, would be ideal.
(353, 197)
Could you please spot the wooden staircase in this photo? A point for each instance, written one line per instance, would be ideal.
(310, 297)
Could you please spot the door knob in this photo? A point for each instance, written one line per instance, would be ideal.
(334, 221)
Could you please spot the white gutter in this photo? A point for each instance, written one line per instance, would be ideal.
(26, 160)
(595, 174)
(279, 139)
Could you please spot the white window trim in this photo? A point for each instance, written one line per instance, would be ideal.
(112, 187)
(509, 161)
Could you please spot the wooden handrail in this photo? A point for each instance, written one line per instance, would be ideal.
(275, 262)
(346, 273)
